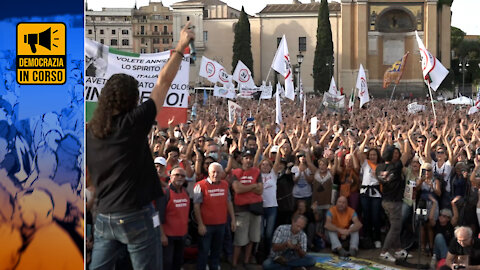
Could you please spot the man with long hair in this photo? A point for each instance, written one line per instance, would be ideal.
(121, 167)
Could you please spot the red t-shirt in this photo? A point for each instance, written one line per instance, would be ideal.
(248, 177)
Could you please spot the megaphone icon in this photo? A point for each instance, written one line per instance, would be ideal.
(42, 39)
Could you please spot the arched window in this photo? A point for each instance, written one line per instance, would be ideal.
(395, 20)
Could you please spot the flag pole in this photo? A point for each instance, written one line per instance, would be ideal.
(431, 99)
(391, 96)
(259, 99)
(304, 107)
(266, 79)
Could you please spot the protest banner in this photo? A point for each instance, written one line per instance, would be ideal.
(234, 108)
(333, 101)
(267, 91)
(223, 92)
(414, 108)
(247, 92)
(144, 68)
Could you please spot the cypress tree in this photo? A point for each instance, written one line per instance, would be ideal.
(324, 51)
(242, 42)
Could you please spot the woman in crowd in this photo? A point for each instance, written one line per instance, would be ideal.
(428, 185)
(303, 179)
(269, 174)
(370, 195)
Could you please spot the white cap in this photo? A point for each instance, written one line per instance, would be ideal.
(160, 160)
(274, 149)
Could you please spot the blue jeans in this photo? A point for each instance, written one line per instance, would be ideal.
(228, 239)
(268, 222)
(133, 229)
(407, 212)
(371, 212)
(210, 243)
(440, 247)
(306, 261)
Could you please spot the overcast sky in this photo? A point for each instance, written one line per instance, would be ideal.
(464, 12)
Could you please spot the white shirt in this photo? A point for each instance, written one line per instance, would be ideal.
(269, 189)
(445, 171)
(301, 189)
(369, 179)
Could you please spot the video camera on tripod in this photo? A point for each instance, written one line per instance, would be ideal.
(421, 211)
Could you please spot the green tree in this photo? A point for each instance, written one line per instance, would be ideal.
(456, 37)
(323, 61)
(242, 43)
(445, 2)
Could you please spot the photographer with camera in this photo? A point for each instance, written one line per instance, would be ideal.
(464, 251)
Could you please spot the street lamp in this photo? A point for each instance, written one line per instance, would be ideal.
(299, 60)
(463, 68)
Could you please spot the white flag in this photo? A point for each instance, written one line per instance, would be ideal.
(433, 71)
(223, 77)
(280, 90)
(232, 109)
(301, 90)
(313, 125)
(243, 76)
(209, 69)
(362, 87)
(223, 92)
(304, 108)
(281, 63)
(475, 108)
(278, 108)
(333, 88)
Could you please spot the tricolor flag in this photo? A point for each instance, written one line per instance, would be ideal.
(351, 102)
(395, 72)
(362, 87)
(281, 63)
(433, 71)
(243, 76)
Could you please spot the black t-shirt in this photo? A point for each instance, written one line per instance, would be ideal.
(121, 166)
(393, 184)
(446, 231)
(472, 251)
(285, 199)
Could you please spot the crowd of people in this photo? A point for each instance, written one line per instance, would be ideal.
(254, 192)
(359, 176)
